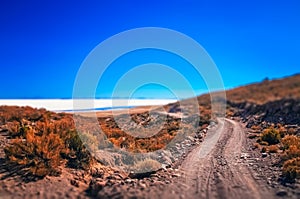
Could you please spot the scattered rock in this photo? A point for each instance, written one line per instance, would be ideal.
(244, 156)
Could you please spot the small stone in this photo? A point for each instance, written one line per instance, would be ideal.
(128, 180)
(144, 186)
(264, 155)
(74, 183)
(96, 186)
(174, 175)
(281, 193)
(244, 156)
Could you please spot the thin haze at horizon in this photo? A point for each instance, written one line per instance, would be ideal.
(43, 43)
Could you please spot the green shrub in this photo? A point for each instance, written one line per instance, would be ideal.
(271, 136)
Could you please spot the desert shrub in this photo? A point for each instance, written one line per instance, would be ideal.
(43, 141)
(78, 156)
(271, 136)
(146, 165)
(290, 140)
(90, 141)
(13, 128)
(291, 147)
(282, 130)
(292, 152)
(273, 149)
(292, 131)
(291, 169)
(40, 155)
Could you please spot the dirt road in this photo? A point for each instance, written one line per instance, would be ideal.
(216, 168)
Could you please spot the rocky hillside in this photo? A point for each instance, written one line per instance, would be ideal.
(275, 101)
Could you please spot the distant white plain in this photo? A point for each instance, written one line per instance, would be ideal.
(67, 104)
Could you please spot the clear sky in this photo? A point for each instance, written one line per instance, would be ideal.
(43, 43)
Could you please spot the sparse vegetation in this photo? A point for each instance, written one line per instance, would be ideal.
(158, 141)
(43, 141)
(272, 108)
(292, 152)
(266, 91)
(146, 165)
(271, 136)
(291, 169)
(40, 155)
(290, 140)
(272, 139)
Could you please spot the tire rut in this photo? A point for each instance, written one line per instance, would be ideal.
(215, 170)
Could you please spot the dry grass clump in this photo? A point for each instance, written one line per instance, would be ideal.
(291, 147)
(146, 165)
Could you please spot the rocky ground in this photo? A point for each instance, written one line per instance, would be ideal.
(253, 175)
(102, 182)
(99, 181)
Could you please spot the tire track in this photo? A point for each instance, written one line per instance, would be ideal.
(215, 170)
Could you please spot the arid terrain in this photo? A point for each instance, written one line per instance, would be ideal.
(252, 152)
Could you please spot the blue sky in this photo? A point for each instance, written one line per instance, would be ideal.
(43, 43)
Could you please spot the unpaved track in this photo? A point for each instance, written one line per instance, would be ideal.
(215, 169)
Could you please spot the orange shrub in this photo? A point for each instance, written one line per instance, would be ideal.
(291, 169)
(44, 141)
(290, 140)
(13, 128)
(41, 154)
(292, 152)
(273, 149)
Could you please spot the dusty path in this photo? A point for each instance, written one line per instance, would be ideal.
(216, 169)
